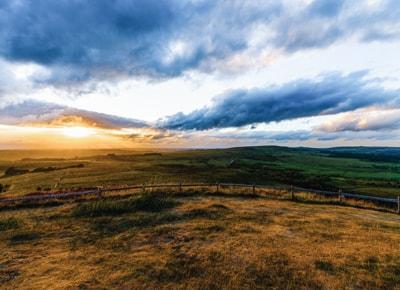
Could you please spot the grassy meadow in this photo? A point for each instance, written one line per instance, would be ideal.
(200, 238)
(197, 240)
(374, 171)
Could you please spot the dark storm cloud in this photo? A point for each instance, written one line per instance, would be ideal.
(35, 112)
(331, 94)
(76, 32)
(84, 39)
(92, 34)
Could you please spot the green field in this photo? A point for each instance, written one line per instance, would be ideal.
(374, 171)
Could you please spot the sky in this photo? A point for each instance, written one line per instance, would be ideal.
(199, 73)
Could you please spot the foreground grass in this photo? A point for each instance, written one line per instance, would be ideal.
(198, 242)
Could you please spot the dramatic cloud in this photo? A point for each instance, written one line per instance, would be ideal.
(152, 58)
(40, 113)
(157, 38)
(330, 94)
(365, 120)
(81, 40)
(325, 22)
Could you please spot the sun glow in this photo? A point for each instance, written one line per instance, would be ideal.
(80, 136)
(77, 132)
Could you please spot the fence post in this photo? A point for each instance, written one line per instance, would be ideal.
(398, 204)
(180, 187)
(291, 192)
(144, 187)
(217, 187)
(99, 192)
(254, 189)
(340, 195)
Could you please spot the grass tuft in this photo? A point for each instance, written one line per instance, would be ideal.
(371, 264)
(109, 226)
(8, 275)
(324, 266)
(154, 203)
(24, 237)
(8, 224)
(148, 203)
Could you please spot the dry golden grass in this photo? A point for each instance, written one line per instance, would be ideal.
(199, 242)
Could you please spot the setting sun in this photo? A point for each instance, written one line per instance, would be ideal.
(77, 132)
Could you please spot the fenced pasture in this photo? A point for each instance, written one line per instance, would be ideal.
(278, 192)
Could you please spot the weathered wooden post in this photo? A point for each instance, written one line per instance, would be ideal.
(398, 204)
(254, 189)
(340, 195)
(180, 187)
(99, 192)
(144, 187)
(291, 192)
(217, 187)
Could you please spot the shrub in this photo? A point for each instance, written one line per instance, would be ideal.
(154, 203)
(151, 203)
(11, 171)
(104, 207)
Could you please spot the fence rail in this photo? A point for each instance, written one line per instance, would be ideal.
(350, 195)
(341, 195)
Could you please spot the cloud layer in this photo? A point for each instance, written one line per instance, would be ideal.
(331, 94)
(81, 40)
(95, 49)
(364, 120)
(40, 113)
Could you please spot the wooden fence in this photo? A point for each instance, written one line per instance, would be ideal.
(213, 186)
